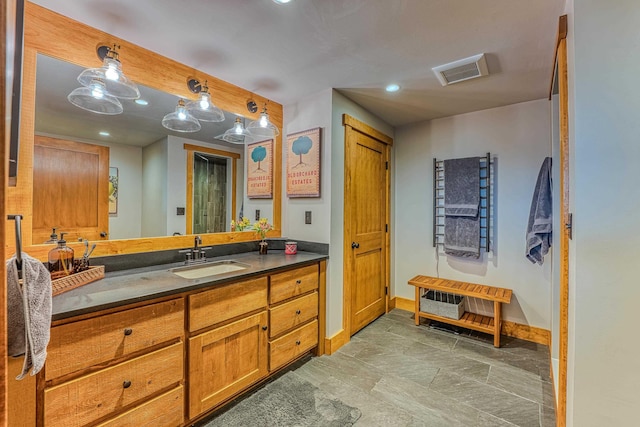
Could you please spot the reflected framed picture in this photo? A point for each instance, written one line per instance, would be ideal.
(260, 170)
(303, 164)
(113, 191)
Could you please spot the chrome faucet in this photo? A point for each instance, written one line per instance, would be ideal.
(196, 254)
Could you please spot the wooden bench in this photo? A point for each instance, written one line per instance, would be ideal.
(477, 322)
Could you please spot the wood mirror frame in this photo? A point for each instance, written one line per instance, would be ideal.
(52, 34)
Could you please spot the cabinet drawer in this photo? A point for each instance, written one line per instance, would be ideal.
(93, 396)
(293, 283)
(166, 410)
(226, 302)
(89, 342)
(290, 346)
(293, 313)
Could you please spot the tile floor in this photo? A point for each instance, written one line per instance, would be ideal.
(399, 374)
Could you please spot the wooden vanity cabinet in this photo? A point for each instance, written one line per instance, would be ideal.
(232, 354)
(128, 367)
(293, 314)
(101, 368)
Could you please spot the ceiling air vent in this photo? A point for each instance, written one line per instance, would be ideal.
(461, 70)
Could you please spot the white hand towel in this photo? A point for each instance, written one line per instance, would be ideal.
(28, 312)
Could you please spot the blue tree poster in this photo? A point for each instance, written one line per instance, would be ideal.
(260, 170)
(303, 164)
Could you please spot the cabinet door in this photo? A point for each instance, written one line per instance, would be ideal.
(226, 360)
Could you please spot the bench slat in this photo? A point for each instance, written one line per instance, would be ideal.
(474, 290)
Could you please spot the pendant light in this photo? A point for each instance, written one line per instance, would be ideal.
(95, 98)
(110, 73)
(237, 134)
(180, 120)
(263, 128)
(203, 109)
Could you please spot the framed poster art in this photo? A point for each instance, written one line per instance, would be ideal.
(303, 164)
(113, 191)
(260, 170)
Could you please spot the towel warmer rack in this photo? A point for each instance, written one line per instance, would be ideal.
(486, 192)
(18, 219)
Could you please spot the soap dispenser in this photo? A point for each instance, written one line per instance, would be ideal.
(61, 259)
(53, 237)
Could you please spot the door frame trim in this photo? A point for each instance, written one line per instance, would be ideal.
(561, 66)
(352, 124)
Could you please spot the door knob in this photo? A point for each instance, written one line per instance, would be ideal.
(103, 234)
(355, 245)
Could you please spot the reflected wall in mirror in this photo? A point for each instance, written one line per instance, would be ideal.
(170, 183)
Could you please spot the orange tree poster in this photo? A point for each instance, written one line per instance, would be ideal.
(303, 164)
(260, 170)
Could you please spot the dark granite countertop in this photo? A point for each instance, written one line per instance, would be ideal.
(124, 287)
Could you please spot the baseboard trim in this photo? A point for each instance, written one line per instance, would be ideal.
(332, 344)
(510, 329)
(526, 332)
(404, 303)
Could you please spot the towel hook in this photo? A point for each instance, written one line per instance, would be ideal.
(17, 219)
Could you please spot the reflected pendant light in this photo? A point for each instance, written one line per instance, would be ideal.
(263, 128)
(180, 120)
(110, 73)
(95, 98)
(203, 109)
(237, 134)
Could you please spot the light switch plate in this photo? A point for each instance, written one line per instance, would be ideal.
(307, 217)
(179, 211)
(257, 214)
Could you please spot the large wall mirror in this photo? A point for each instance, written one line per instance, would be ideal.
(169, 184)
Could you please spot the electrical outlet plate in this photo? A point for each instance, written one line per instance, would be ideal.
(257, 214)
(307, 217)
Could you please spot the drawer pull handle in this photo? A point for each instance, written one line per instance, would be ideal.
(126, 384)
(298, 281)
(264, 328)
(298, 312)
(298, 342)
(128, 331)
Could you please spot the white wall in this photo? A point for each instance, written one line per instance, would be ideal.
(342, 105)
(604, 365)
(308, 113)
(126, 224)
(154, 188)
(518, 138)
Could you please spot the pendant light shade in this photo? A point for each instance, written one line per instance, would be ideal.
(180, 120)
(203, 109)
(95, 98)
(263, 128)
(110, 73)
(237, 134)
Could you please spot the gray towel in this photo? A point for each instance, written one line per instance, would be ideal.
(539, 228)
(462, 207)
(28, 313)
(462, 186)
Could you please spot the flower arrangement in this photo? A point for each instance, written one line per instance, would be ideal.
(241, 224)
(261, 227)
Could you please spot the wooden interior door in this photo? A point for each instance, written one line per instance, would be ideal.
(366, 213)
(70, 189)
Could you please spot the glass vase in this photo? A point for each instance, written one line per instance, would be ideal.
(262, 247)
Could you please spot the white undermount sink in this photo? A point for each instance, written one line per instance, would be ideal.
(199, 271)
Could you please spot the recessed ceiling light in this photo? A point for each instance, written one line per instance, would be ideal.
(281, 1)
(392, 88)
(104, 133)
(141, 101)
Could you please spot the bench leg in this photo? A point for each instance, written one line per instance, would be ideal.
(417, 305)
(497, 320)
